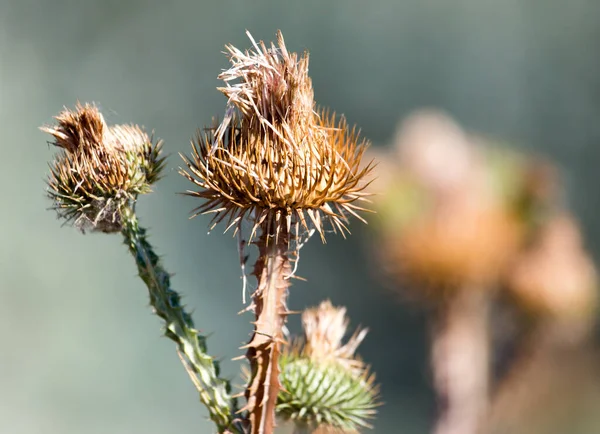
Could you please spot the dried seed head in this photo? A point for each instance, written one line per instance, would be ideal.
(99, 169)
(555, 277)
(324, 385)
(445, 221)
(274, 85)
(455, 245)
(80, 130)
(273, 156)
(324, 327)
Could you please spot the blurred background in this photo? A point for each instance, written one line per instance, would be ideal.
(80, 351)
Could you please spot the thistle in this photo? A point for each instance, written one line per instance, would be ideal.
(325, 386)
(445, 225)
(448, 230)
(94, 182)
(100, 170)
(553, 282)
(288, 169)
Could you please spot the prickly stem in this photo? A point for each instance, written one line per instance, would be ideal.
(179, 327)
(264, 348)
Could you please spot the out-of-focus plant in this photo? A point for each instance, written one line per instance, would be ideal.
(94, 182)
(474, 231)
(327, 375)
(445, 233)
(553, 280)
(274, 161)
(453, 213)
(445, 217)
(554, 376)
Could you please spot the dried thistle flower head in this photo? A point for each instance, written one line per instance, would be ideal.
(99, 168)
(445, 224)
(274, 86)
(325, 327)
(555, 277)
(457, 244)
(274, 157)
(324, 385)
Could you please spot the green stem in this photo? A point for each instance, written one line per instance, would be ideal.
(179, 327)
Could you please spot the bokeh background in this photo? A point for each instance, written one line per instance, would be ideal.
(80, 351)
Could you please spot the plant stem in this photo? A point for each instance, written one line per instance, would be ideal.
(179, 327)
(552, 357)
(459, 358)
(269, 301)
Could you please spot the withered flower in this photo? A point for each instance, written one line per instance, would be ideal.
(274, 158)
(99, 168)
(325, 386)
(554, 277)
(448, 229)
(446, 223)
(287, 168)
(325, 327)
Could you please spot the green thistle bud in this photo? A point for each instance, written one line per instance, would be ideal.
(100, 169)
(324, 385)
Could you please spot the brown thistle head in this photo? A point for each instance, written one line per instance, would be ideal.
(274, 85)
(99, 169)
(445, 224)
(554, 277)
(273, 156)
(324, 328)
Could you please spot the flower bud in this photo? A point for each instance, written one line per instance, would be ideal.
(324, 385)
(99, 169)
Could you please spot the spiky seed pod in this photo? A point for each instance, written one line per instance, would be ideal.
(287, 169)
(325, 386)
(99, 169)
(289, 98)
(277, 157)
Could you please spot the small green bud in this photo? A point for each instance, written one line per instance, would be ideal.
(324, 385)
(315, 394)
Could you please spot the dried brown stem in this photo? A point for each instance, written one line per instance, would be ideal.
(460, 362)
(269, 301)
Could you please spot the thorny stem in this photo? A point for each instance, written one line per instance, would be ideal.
(269, 303)
(179, 327)
(459, 360)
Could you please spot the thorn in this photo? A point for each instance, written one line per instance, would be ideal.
(249, 308)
